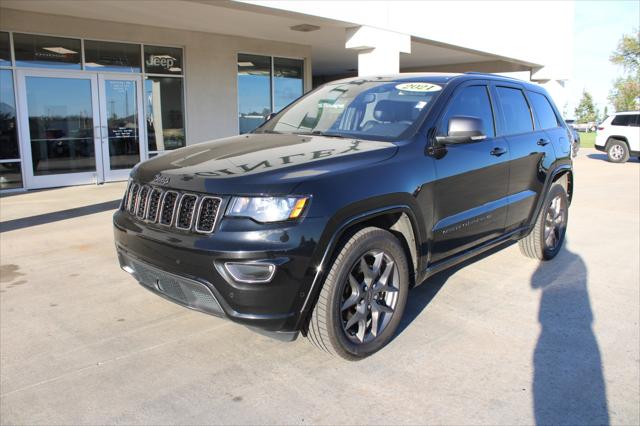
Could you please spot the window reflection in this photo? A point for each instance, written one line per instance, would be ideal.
(122, 123)
(10, 175)
(5, 50)
(45, 51)
(287, 81)
(8, 128)
(60, 125)
(164, 113)
(254, 90)
(107, 56)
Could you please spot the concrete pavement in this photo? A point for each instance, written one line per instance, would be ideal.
(503, 340)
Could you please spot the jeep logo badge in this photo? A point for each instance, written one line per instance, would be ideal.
(160, 180)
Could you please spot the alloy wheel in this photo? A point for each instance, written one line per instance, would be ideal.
(616, 152)
(370, 296)
(554, 223)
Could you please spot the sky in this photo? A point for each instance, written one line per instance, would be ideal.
(598, 25)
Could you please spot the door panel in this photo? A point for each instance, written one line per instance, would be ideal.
(60, 142)
(470, 190)
(120, 102)
(471, 187)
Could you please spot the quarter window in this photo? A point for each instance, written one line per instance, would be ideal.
(545, 117)
(515, 110)
(624, 120)
(470, 101)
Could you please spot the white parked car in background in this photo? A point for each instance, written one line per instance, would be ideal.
(619, 136)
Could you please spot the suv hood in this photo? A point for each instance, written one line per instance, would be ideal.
(258, 163)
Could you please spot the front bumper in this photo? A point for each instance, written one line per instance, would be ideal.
(184, 268)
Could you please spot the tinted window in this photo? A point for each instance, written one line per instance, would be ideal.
(623, 120)
(44, 51)
(164, 113)
(517, 118)
(545, 116)
(5, 50)
(8, 128)
(107, 56)
(163, 60)
(471, 101)
(254, 90)
(287, 81)
(636, 121)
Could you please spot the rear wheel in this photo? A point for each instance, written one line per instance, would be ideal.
(617, 151)
(363, 297)
(545, 240)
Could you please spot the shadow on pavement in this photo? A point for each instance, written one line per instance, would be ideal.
(420, 296)
(568, 382)
(603, 157)
(41, 219)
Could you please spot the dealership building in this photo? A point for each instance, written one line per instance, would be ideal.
(90, 88)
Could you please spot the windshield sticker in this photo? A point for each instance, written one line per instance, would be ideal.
(420, 105)
(418, 87)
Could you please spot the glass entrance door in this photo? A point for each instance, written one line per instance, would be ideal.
(60, 136)
(121, 124)
(80, 128)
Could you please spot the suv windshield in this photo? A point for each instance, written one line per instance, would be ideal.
(359, 109)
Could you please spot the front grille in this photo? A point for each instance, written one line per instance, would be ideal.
(184, 211)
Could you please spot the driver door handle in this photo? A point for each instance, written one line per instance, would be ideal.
(497, 151)
(543, 142)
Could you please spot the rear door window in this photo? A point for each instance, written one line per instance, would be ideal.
(545, 116)
(636, 121)
(515, 110)
(471, 101)
(622, 120)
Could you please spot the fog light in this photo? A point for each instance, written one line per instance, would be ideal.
(253, 272)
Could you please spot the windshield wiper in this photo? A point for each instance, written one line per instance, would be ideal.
(319, 133)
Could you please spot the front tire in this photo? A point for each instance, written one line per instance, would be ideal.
(617, 151)
(363, 297)
(545, 240)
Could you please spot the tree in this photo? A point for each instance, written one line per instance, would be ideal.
(586, 110)
(627, 53)
(625, 94)
(605, 113)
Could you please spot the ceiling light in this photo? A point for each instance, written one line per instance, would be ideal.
(60, 50)
(305, 28)
(246, 64)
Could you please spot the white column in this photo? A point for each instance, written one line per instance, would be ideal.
(378, 50)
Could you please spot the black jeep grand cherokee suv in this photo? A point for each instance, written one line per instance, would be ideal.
(322, 219)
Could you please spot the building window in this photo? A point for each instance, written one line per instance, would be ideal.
(265, 85)
(162, 60)
(108, 56)
(5, 50)
(38, 51)
(164, 113)
(10, 172)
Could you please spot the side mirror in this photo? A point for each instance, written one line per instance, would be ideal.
(463, 129)
(270, 116)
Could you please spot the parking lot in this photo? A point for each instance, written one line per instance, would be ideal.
(503, 340)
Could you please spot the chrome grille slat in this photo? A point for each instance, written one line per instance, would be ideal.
(154, 205)
(207, 214)
(133, 197)
(169, 201)
(186, 209)
(142, 201)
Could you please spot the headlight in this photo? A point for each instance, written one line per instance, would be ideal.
(267, 209)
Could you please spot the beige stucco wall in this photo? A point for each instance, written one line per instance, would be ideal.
(210, 62)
